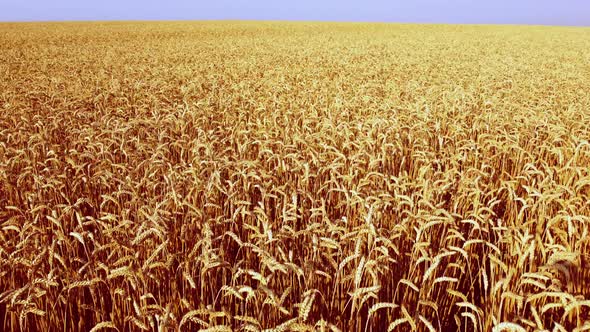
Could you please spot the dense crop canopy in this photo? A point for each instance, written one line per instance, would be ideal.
(294, 176)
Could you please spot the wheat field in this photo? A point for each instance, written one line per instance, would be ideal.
(249, 176)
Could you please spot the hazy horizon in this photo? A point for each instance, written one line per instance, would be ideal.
(524, 12)
(289, 21)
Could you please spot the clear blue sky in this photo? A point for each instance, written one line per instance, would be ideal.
(549, 12)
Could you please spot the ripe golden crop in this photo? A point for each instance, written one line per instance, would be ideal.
(294, 176)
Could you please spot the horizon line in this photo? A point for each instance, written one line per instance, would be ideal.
(294, 21)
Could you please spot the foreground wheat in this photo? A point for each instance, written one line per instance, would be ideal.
(250, 176)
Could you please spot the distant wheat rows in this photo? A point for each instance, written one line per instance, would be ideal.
(292, 177)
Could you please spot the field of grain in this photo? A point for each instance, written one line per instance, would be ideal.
(177, 176)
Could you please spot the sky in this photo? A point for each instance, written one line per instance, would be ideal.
(545, 12)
